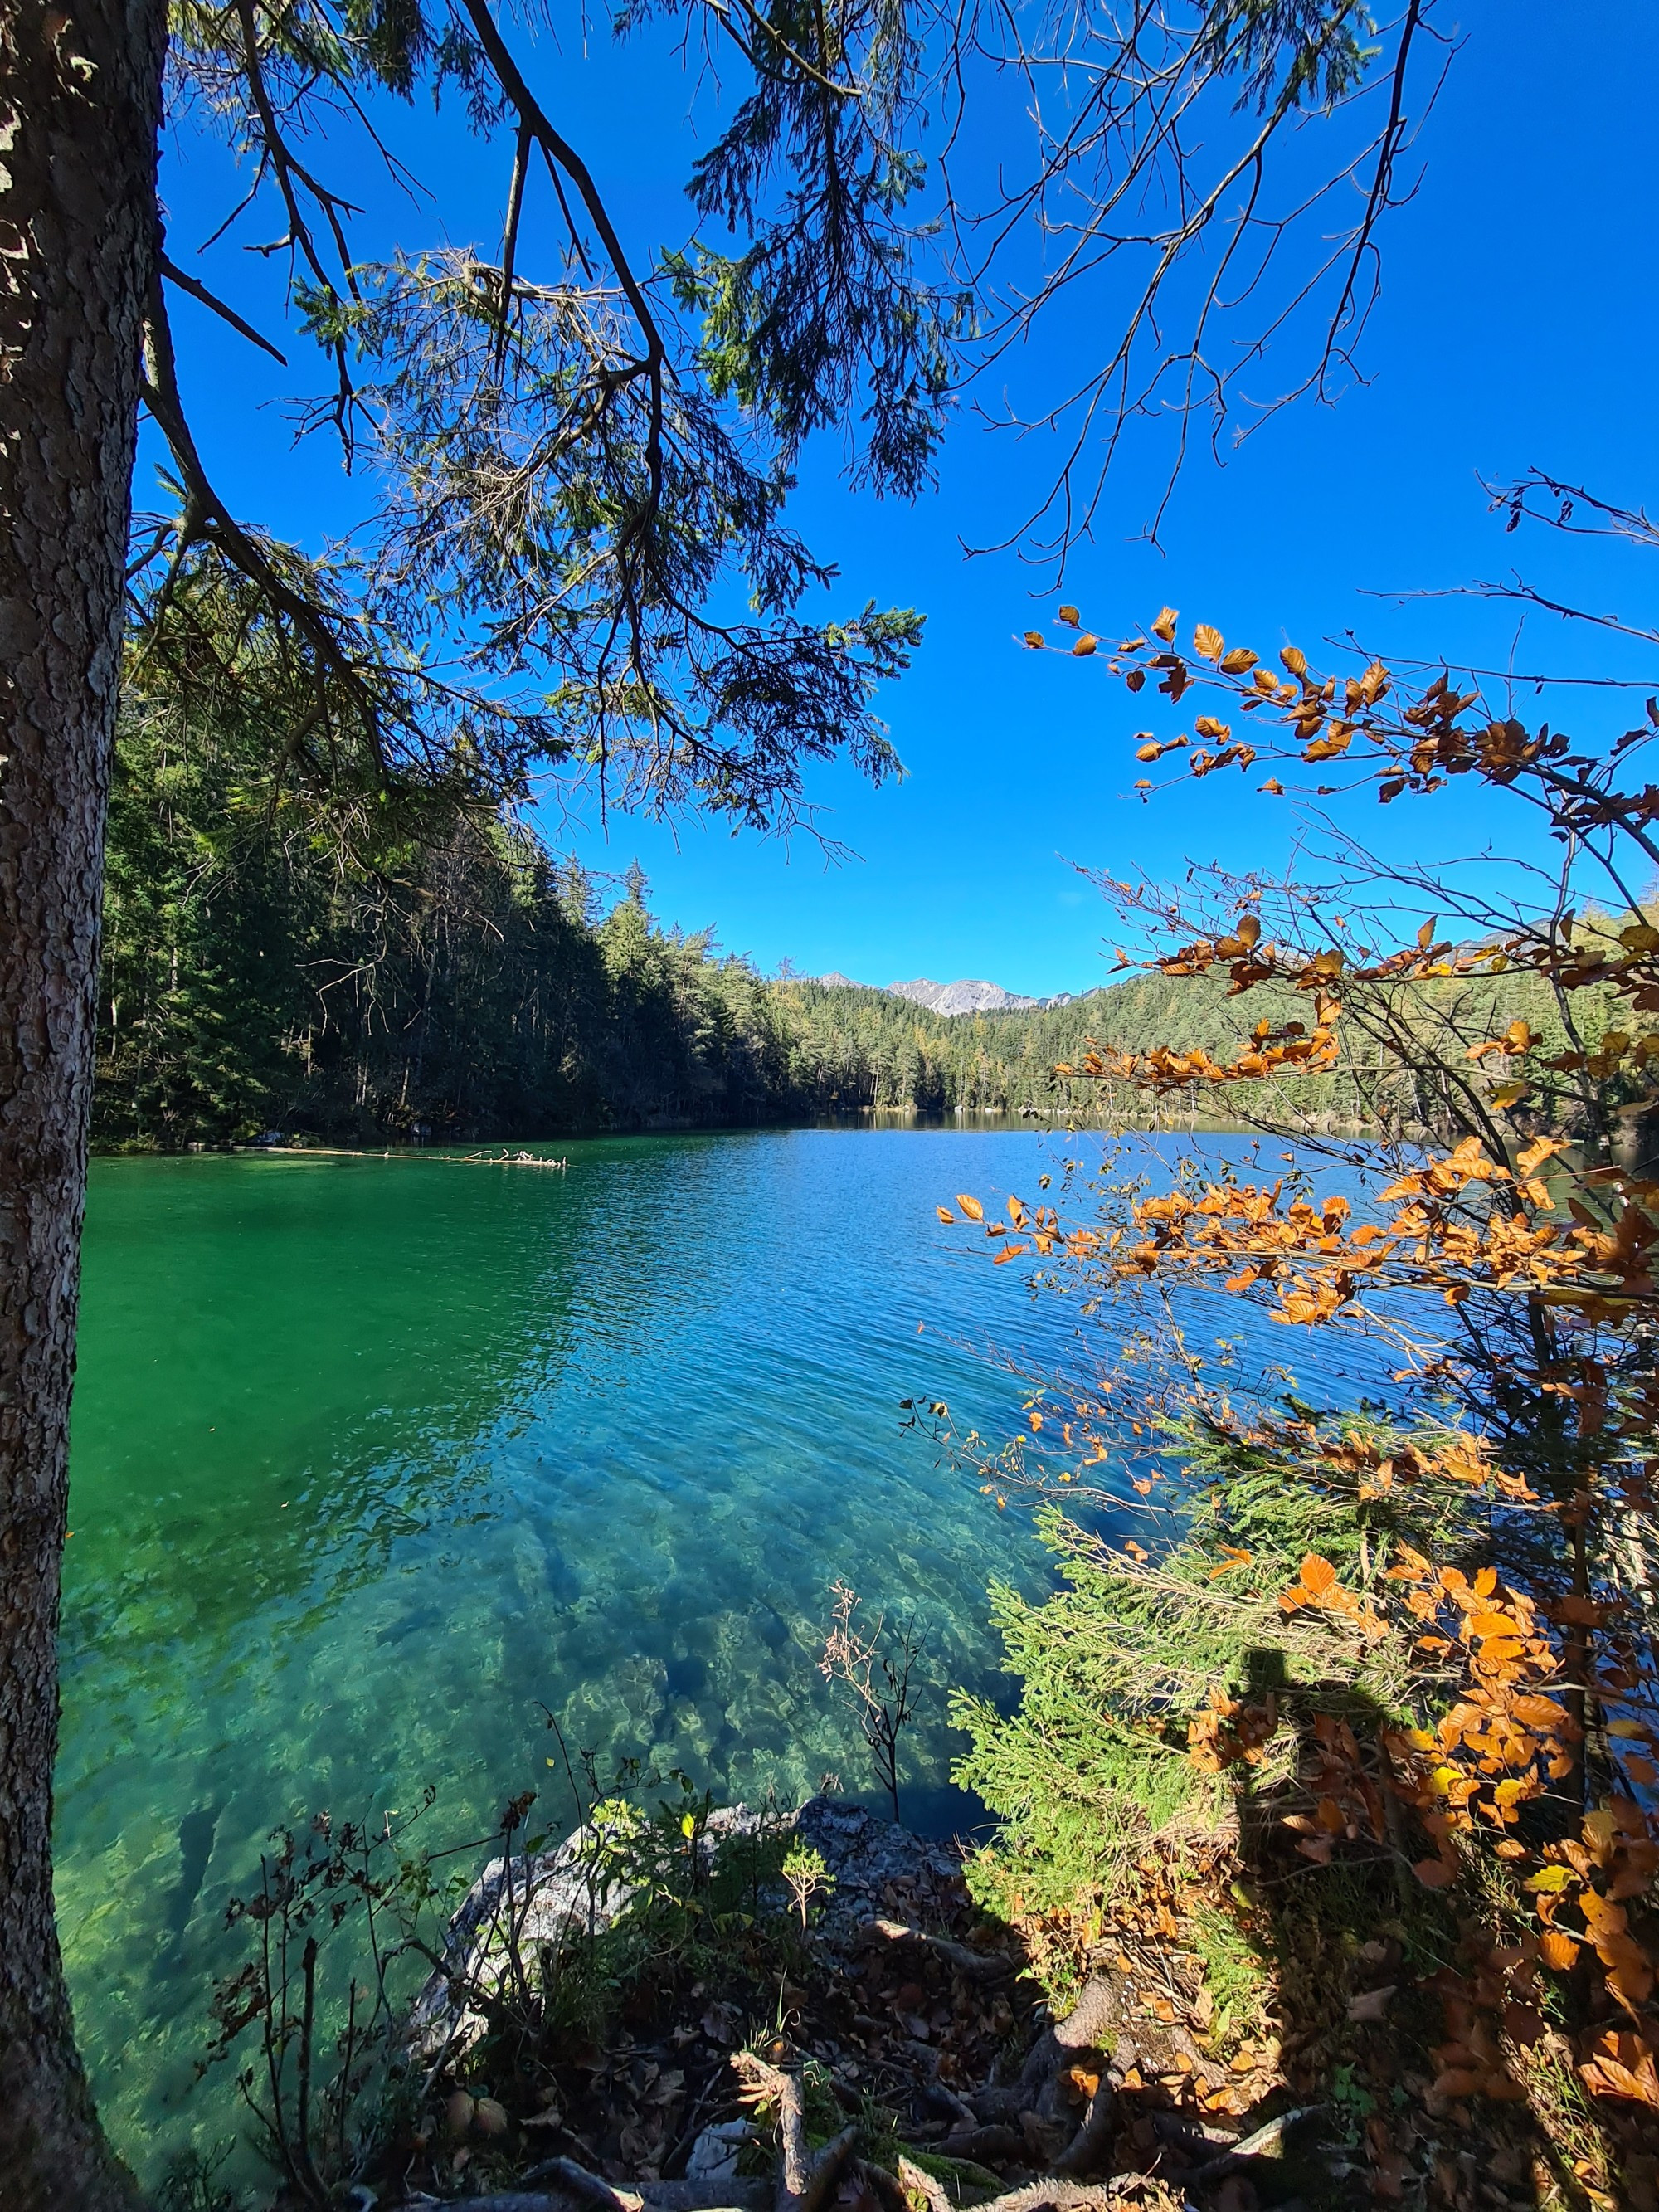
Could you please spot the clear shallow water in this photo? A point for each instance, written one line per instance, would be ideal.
(371, 1457)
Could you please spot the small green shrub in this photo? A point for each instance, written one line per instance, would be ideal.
(1236, 1982)
(703, 1909)
(1092, 1766)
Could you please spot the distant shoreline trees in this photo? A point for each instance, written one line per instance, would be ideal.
(258, 974)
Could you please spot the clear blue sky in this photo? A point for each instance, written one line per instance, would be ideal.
(1517, 327)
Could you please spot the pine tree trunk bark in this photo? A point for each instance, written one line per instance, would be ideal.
(80, 101)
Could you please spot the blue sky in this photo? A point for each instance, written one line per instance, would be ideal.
(1517, 327)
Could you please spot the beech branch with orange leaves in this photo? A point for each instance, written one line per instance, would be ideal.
(1510, 1203)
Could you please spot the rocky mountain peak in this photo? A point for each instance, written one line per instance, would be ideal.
(972, 995)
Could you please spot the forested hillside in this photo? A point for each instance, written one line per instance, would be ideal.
(258, 974)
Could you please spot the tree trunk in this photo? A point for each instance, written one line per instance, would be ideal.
(80, 98)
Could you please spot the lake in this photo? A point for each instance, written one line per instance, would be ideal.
(372, 1458)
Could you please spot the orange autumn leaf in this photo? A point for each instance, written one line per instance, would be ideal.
(1235, 1557)
(1491, 1623)
(1539, 1712)
(1545, 1148)
(1622, 2065)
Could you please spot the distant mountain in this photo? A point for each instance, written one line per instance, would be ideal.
(973, 996)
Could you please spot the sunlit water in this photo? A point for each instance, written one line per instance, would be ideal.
(373, 1457)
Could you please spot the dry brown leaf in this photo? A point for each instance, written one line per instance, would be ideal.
(1371, 2004)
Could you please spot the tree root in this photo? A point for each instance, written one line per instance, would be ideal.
(1062, 2195)
(805, 2176)
(1046, 2196)
(921, 2184)
(516, 2200)
(942, 2098)
(712, 2193)
(1096, 2023)
(884, 2187)
(720, 2193)
(1091, 2140)
(563, 2200)
(982, 2146)
(1093, 2024)
(974, 1966)
(1265, 2140)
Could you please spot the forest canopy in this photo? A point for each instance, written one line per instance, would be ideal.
(261, 974)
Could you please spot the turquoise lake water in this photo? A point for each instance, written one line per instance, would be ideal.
(372, 1457)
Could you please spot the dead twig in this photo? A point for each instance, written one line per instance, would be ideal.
(885, 1708)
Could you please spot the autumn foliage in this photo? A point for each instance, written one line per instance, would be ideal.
(1511, 1266)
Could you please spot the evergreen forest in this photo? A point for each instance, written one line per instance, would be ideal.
(264, 973)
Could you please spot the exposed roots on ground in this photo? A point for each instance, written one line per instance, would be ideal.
(1235, 2039)
(805, 2176)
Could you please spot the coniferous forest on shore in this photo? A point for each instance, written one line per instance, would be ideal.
(262, 972)
(259, 973)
